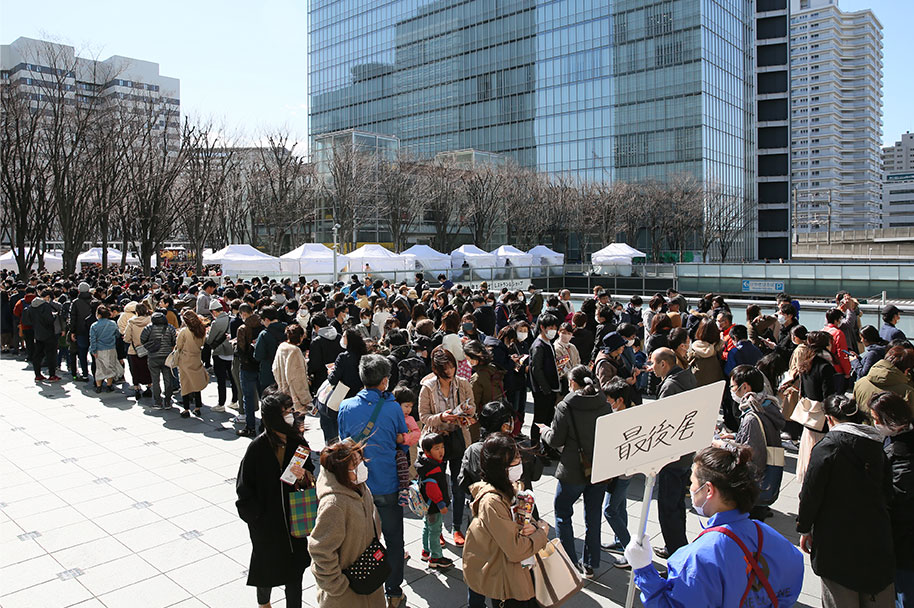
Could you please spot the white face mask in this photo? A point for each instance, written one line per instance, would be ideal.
(343, 343)
(565, 338)
(630, 342)
(522, 335)
(736, 398)
(515, 472)
(361, 473)
(699, 508)
(289, 418)
(366, 322)
(550, 333)
(782, 319)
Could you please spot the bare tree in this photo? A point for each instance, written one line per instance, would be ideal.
(605, 209)
(210, 162)
(440, 181)
(728, 216)
(350, 186)
(684, 200)
(400, 202)
(483, 189)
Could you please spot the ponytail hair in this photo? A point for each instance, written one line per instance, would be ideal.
(583, 377)
(843, 409)
(731, 472)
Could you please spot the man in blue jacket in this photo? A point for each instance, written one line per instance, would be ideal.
(744, 352)
(890, 317)
(375, 417)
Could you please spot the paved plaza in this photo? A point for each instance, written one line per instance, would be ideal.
(106, 502)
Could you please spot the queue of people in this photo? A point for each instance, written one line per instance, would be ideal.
(414, 384)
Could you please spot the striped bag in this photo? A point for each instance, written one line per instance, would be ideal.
(302, 512)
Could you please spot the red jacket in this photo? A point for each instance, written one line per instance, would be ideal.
(17, 309)
(839, 350)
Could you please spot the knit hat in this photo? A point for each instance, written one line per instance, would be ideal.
(215, 304)
(612, 341)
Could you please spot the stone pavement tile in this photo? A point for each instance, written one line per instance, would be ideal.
(436, 590)
(52, 594)
(193, 603)
(106, 505)
(204, 519)
(157, 592)
(240, 554)
(86, 492)
(69, 536)
(51, 520)
(126, 520)
(93, 603)
(210, 573)
(221, 494)
(15, 551)
(178, 553)
(149, 536)
(36, 504)
(228, 536)
(178, 505)
(155, 491)
(116, 574)
(91, 554)
(29, 573)
(135, 480)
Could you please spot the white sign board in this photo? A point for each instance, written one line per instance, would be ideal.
(644, 438)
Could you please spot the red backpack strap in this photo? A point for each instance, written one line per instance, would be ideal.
(751, 559)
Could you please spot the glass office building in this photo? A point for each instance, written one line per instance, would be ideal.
(624, 89)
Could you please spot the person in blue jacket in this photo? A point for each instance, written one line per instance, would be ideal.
(714, 570)
(744, 352)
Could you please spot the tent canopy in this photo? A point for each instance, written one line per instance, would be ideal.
(377, 257)
(311, 259)
(244, 259)
(510, 253)
(53, 260)
(473, 256)
(619, 250)
(424, 257)
(94, 256)
(543, 256)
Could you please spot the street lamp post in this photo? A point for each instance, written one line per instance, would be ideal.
(336, 230)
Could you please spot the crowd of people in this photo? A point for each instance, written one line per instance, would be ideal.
(427, 386)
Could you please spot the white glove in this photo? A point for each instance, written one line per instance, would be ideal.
(639, 553)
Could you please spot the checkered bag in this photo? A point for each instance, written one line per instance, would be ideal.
(302, 512)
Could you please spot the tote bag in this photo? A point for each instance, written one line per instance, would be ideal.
(555, 578)
(302, 512)
(332, 396)
(171, 361)
(810, 414)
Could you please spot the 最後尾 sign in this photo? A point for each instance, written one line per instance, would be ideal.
(750, 286)
(642, 439)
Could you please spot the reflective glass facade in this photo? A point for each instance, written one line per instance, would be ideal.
(618, 89)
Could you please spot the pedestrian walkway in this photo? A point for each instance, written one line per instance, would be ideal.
(108, 503)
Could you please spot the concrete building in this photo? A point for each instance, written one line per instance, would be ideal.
(899, 157)
(772, 90)
(898, 199)
(38, 67)
(621, 90)
(836, 116)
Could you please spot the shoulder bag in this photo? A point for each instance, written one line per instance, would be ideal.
(555, 579)
(370, 569)
(810, 414)
(774, 469)
(171, 360)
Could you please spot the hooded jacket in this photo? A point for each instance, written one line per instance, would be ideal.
(495, 548)
(871, 354)
(158, 338)
(218, 328)
(704, 361)
(325, 348)
(82, 313)
(134, 331)
(844, 504)
(751, 434)
(884, 376)
(291, 374)
(677, 381)
(743, 352)
(43, 314)
(574, 428)
(347, 522)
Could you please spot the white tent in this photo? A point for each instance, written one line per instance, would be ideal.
(544, 258)
(53, 262)
(244, 260)
(208, 256)
(474, 258)
(312, 260)
(94, 256)
(378, 258)
(507, 255)
(424, 258)
(615, 258)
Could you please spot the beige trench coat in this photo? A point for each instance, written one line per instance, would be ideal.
(193, 375)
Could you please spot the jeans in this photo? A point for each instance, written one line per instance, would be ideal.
(614, 509)
(904, 588)
(431, 530)
(157, 368)
(82, 343)
(672, 482)
(223, 370)
(329, 423)
(565, 497)
(46, 351)
(391, 514)
(249, 396)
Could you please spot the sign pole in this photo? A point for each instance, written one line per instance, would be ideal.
(642, 528)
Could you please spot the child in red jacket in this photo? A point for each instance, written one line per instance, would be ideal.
(433, 484)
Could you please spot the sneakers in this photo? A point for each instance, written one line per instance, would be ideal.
(54, 378)
(197, 412)
(109, 388)
(459, 538)
(185, 414)
(442, 563)
(240, 419)
(234, 405)
(245, 432)
(98, 388)
(622, 563)
(218, 408)
(441, 540)
(615, 547)
(586, 571)
(425, 555)
(39, 378)
(661, 552)
(147, 392)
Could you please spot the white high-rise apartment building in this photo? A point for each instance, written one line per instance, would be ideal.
(836, 116)
(898, 183)
(39, 67)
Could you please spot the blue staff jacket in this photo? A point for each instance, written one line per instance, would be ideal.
(712, 572)
(381, 445)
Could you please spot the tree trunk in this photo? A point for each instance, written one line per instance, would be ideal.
(104, 241)
(198, 254)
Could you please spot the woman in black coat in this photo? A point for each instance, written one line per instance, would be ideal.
(277, 558)
(844, 510)
(346, 367)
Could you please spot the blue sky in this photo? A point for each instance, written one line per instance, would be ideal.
(245, 62)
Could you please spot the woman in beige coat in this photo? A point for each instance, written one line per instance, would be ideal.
(346, 524)
(139, 367)
(193, 375)
(290, 370)
(447, 406)
(496, 544)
